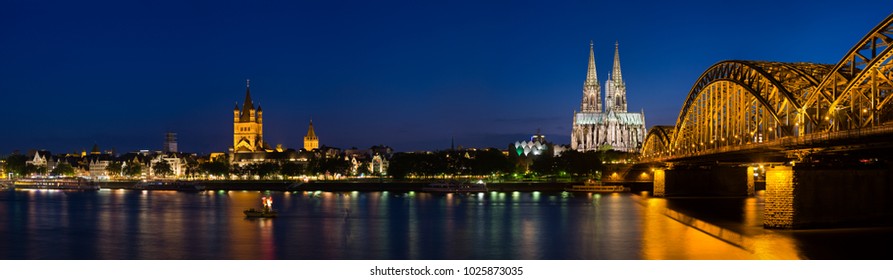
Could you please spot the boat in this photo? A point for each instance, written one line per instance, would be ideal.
(187, 187)
(67, 184)
(456, 187)
(182, 186)
(596, 187)
(265, 212)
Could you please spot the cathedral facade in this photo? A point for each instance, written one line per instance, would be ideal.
(606, 125)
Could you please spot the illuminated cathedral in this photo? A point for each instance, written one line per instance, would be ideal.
(610, 126)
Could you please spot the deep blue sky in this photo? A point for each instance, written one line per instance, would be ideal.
(408, 74)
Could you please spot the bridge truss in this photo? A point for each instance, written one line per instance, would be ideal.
(735, 103)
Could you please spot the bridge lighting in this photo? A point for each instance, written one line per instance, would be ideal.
(864, 110)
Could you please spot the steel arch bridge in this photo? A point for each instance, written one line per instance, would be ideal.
(735, 104)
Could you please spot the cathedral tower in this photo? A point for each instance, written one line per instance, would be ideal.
(592, 101)
(614, 128)
(615, 88)
(248, 125)
(310, 141)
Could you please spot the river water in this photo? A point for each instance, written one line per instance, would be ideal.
(129, 224)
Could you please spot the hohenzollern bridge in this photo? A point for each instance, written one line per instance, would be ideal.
(819, 135)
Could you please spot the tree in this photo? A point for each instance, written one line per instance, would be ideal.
(162, 168)
(31, 169)
(63, 169)
(192, 168)
(114, 168)
(362, 168)
(265, 169)
(15, 164)
(218, 167)
(327, 166)
(291, 169)
(133, 169)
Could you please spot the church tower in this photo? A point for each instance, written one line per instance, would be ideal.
(615, 88)
(592, 102)
(310, 141)
(248, 126)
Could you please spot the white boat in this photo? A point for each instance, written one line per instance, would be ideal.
(74, 184)
(596, 187)
(455, 187)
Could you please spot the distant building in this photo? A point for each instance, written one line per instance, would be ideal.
(42, 158)
(248, 126)
(249, 146)
(176, 163)
(170, 143)
(310, 141)
(535, 147)
(379, 165)
(525, 152)
(614, 128)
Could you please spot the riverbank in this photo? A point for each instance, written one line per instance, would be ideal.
(338, 186)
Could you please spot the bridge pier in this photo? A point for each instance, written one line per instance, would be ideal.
(811, 197)
(703, 181)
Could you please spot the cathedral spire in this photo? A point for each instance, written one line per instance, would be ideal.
(591, 99)
(615, 88)
(616, 73)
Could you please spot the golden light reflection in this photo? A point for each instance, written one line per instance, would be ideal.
(668, 234)
(665, 238)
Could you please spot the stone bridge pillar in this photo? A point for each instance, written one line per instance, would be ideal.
(659, 182)
(811, 197)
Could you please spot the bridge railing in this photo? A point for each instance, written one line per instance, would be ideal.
(786, 142)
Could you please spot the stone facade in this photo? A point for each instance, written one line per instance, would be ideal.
(779, 207)
(614, 128)
(248, 126)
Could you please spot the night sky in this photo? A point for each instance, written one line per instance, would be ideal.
(408, 74)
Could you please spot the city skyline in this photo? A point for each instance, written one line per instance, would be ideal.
(121, 75)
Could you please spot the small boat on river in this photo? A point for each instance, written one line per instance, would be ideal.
(455, 187)
(265, 212)
(596, 187)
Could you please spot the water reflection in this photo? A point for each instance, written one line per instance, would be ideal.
(394, 225)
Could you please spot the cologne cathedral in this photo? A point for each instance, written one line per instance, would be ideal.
(609, 126)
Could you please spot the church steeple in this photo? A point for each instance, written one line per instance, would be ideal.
(310, 133)
(247, 106)
(310, 141)
(591, 100)
(615, 88)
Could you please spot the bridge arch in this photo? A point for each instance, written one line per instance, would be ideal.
(735, 102)
(657, 141)
(857, 91)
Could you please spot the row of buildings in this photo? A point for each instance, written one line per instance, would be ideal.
(601, 124)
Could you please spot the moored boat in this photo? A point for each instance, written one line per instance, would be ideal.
(70, 184)
(596, 187)
(455, 187)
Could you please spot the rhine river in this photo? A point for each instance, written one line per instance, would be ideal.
(131, 224)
